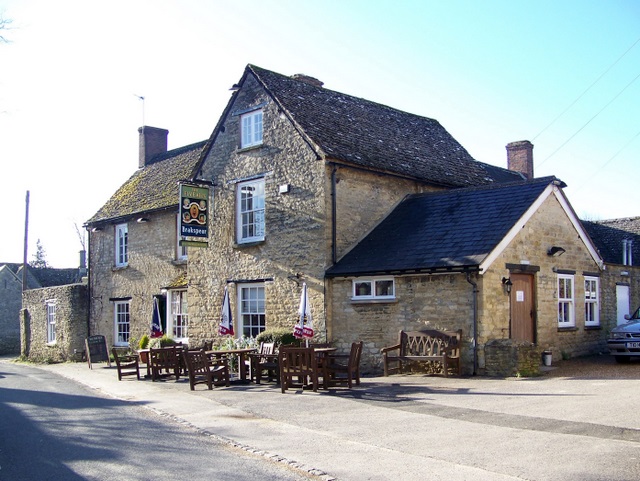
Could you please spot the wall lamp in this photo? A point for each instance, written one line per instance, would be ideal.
(506, 282)
(556, 251)
(142, 220)
(97, 229)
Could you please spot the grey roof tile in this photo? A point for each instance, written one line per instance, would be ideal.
(608, 235)
(454, 229)
(375, 136)
(152, 188)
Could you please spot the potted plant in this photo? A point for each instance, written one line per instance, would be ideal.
(143, 344)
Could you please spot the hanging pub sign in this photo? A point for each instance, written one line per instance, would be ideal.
(194, 212)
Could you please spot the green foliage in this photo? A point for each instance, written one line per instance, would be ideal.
(144, 342)
(227, 343)
(166, 341)
(40, 257)
(279, 336)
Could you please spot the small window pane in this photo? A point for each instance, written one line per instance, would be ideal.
(384, 288)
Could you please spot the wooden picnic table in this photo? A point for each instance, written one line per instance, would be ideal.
(241, 354)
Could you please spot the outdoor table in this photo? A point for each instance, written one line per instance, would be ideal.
(321, 354)
(242, 358)
(144, 358)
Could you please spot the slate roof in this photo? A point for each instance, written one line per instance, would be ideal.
(375, 136)
(608, 235)
(440, 231)
(152, 188)
(44, 276)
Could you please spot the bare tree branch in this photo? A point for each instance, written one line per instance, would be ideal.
(4, 25)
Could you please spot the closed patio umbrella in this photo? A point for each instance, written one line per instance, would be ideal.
(304, 327)
(156, 326)
(226, 319)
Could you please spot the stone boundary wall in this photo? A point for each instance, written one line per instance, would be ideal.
(72, 308)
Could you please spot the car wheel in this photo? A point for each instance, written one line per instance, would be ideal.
(622, 359)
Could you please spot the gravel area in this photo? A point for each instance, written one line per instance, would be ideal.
(601, 366)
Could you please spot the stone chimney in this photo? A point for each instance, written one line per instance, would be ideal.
(152, 141)
(520, 157)
(307, 79)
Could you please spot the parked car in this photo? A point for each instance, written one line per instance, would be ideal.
(624, 340)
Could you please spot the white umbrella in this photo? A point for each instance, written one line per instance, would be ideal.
(226, 319)
(304, 326)
(156, 326)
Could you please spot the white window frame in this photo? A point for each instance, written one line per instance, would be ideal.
(373, 288)
(181, 251)
(252, 317)
(566, 300)
(122, 245)
(591, 301)
(178, 315)
(50, 306)
(250, 211)
(251, 129)
(121, 322)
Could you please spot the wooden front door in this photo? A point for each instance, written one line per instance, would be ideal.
(523, 327)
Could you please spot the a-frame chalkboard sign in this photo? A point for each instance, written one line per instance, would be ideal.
(97, 350)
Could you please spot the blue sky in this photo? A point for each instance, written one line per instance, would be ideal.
(563, 74)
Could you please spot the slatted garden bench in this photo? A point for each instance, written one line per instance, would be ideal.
(439, 349)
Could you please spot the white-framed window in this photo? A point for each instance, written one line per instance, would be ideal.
(251, 129)
(178, 318)
(566, 303)
(122, 245)
(51, 321)
(251, 309)
(591, 301)
(374, 288)
(250, 211)
(181, 251)
(122, 323)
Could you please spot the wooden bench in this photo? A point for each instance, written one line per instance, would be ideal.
(440, 349)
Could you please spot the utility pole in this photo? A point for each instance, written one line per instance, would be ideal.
(26, 241)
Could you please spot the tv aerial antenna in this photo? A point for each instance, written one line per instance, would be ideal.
(141, 98)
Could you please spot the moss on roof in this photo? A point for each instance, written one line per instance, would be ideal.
(154, 187)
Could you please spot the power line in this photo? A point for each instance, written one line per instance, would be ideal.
(609, 161)
(587, 89)
(590, 120)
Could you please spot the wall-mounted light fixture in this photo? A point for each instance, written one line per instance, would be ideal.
(506, 282)
(97, 229)
(556, 251)
(142, 220)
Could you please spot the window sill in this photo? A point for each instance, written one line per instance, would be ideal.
(355, 300)
(248, 244)
(179, 262)
(119, 268)
(593, 328)
(567, 329)
(241, 150)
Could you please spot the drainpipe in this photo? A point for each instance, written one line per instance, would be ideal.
(475, 323)
(334, 208)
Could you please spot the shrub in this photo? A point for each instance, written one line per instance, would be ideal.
(278, 336)
(144, 342)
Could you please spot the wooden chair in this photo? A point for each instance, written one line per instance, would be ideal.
(345, 368)
(165, 359)
(265, 360)
(298, 365)
(203, 370)
(127, 364)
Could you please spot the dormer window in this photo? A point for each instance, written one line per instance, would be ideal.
(251, 129)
